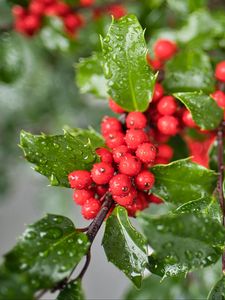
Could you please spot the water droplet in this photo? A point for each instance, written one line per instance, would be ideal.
(54, 233)
(31, 235)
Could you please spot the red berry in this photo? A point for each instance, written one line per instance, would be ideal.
(129, 165)
(102, 172)
(158, 92)
(120, 185)
(36, 8)
(126, 199)
(187, 119)
(62, 9)
(115, 139)
(220, 71)
(80, 196)
(161, 161)
(80, 179)
(115, 107)
(165, 151)
(90, 208)
(145, 180)
(119, 152)
(109, 125)
(135, 137)
(155, 64)
(160, 137)
(105, 155)
(101, 190)
(219, 97)
(32, 24)
(87, 2)
(72, 21)
(146, 152)
(168, 125)
(136, 120)
(116, 10)
(164, 49)
(167, 105)
(139, 204)
(18, 11)
(154, 199)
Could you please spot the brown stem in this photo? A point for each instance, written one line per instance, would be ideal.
(221, 178)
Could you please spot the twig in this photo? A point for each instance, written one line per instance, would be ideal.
(85, 267)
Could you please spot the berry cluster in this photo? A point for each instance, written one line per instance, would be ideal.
(29, 21)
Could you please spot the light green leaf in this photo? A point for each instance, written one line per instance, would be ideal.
(124, 246)
(182, 181)
(218, 291)
(57, 156)
(47, 252)
(190, 70)
(205, 111)
(129, 79)
(182, 242)
(73, 291)
(90, 77)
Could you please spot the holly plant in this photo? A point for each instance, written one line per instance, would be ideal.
(164, 149)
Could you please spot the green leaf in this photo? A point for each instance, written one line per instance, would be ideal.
(73, 291)
(130, 80)
(179, 146)
(15, 286)
(48, 251)
(182, 181)
(56, 156)
(190, 70)
(182, 242)
(90, 77)
(213, 155)
(205, 111)
(124, 246)
(218, 291)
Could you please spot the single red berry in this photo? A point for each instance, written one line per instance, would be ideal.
(36, 8)
(154, 199)
(158, 92)
(126, 199)
(80, 196)
(138, 204)
(145, 180)
(102, 172)
(161, 161)
(90, 208)
(72, 21)
(109, 125)
(120, 185)
(18, 11)
(87, 2)
(146, 152)
(32, 24)
(119, 152)
(101, 190)
(160, 137)
(105, 155)
(116, 10)
(165, 151)
(155, 64)
(219, 97)
(168, 125)
(62, 9)
(115, 139)
(220, 71)
(51, 10)
(80, 179)
(164, 49)
(135, 137)
(129, 165)
(136, 120)
(167, 105)
(115, 107)
(187, 119)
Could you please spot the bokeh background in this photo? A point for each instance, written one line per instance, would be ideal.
(44, 98)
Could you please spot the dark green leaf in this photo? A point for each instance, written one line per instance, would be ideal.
(183, 181)
(73, 291)
(124, 246)
(130, 80)
(218, 291)
(213, 155)
(48, 251)
(90, 77)
(57, 156)
(190, 70)
(179, 146)
(205, 111)
(183, 242)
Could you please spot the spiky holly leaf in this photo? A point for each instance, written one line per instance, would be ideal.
(124, 246)
(218, 291)
(129, 79)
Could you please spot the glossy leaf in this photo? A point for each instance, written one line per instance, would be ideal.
(218, 291)
(182, 242)
(179, 146)
(205, 111)
(190, 70)
(48, 251)
(57, 156)
(182, 181)
(129, 79)
(124, 246)
(73, 291)
(90, 77)
(213, 155)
